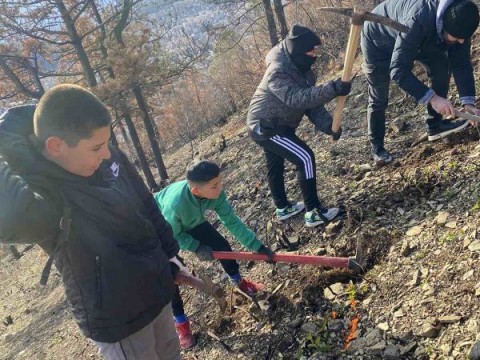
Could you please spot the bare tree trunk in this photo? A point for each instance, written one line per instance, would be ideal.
(281, 18)
(113, 138)
(76, 40)
(125, 114)
(141, 155)
(162, 171)
(117, 32)
(272, 28)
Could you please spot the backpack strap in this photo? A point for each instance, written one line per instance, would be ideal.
(64, 226)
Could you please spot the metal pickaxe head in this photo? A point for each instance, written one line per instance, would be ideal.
(358, 17)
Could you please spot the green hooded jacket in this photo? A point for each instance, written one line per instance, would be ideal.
(184, 211)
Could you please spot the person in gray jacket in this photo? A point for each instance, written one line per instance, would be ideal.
(439, 39)
(286, 93)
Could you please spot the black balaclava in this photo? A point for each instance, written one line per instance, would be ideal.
(299, 41)
(461, 19)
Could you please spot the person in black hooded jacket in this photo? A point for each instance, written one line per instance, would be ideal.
(439, 39)
(286, 93)
(65, 188)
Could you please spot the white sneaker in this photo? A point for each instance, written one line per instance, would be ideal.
(312, 218)
(289, 210)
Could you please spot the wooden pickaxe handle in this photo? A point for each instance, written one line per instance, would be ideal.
(203, 284)
(467, 116)
(352, 46)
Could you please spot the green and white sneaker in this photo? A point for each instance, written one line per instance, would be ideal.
(312, 218)
(289, 211)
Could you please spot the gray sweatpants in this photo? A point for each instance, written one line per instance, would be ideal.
(156, 341)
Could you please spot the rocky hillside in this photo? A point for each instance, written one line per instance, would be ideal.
(419, 297)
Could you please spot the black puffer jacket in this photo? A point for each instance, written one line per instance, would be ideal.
(115, 263)
(284, 95)
(385, 47)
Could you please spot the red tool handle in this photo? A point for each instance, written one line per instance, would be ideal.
(330, 262)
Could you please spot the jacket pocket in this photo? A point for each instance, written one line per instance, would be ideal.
(98, 282)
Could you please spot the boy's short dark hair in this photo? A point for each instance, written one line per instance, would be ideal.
(70, 112)
(202, 172)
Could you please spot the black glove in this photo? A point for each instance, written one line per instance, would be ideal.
(336, 135)
(342, 88)
(204, 253)
(265, 250)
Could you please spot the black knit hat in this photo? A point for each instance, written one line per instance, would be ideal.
(461, 19)
(300, 40)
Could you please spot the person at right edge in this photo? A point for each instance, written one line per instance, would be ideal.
(286, 93)
(439, 39)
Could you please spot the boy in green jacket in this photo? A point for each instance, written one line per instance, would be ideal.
(183, 204)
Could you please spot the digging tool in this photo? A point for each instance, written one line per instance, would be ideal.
(467, 116)
(356, 263)
(204, 284)
(358, 17)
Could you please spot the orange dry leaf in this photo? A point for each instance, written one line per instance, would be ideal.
(352, 335)
(334, 314)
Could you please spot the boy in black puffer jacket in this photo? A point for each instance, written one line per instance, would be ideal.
(64, 187)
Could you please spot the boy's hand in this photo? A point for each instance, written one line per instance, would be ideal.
(265, 250)
(204, 253)
(177, 265)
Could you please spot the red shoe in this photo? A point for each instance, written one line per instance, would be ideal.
(187, 340)
(249, 287)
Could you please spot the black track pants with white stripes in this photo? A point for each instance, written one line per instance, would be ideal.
(290, 147)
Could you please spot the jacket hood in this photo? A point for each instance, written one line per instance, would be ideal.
(279, 55)
(18, 149)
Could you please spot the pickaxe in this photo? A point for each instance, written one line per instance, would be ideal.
(358, 17)
(356, 263)
(204, 284)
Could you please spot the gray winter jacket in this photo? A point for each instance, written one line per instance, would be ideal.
(284, 95)
(385, 47)
(114, 263)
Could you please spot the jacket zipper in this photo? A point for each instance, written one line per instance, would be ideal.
(98, 280)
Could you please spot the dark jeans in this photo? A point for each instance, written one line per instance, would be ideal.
(206, 234)
(377, 72)
(290, 147)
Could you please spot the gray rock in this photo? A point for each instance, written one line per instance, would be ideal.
(336, 325)
(450, 319)
(8, 337)
(392, 352)
(429, 331)
(475, 352)
(373, 337)
(295, 323)
(309, 328)
(407, 348)
(332, 291)
(383, 326)
(474, 245)
(378, 346)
